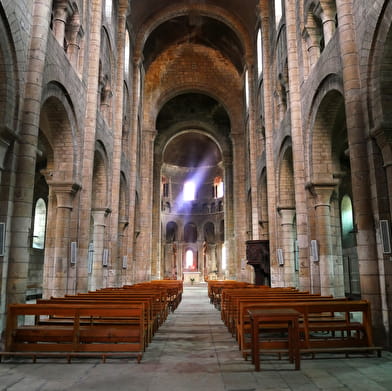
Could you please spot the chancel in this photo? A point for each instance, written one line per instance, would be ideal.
(193, 143)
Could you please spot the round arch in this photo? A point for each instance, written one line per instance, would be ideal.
(214, 12)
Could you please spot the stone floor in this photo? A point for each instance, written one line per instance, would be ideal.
(193, 351)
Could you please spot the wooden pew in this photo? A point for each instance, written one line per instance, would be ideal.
(215, 288)
(95, 330)
(146, 305)
(158, 308)
(326, 326)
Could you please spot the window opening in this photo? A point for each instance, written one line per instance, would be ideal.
(108, 8)
(218, 187)
(189, 191)
(189, 259)
(278, 12)
(39, 224)
(259, 52)
(347, 216)
(126, 53)
(224, 260)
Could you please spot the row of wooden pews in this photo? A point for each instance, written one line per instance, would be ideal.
(106, 322)
(325, 323)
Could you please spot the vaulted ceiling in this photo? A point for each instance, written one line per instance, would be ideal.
(166, 30)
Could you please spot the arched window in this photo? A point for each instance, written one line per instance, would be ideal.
(259, 53)
(218, 187)
(39, 224)
(246, 81)
(108, 8)
(224, 260)
(189, 191)
(189, 259)
(278, 11)
(126, 53)
(347, 218)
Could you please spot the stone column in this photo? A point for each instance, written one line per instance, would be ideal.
(90, 124)
(59, 20)
(117, 144)
(26, 151)
(298, 145)
(120, 278)
(200, 259)
(212, 252)
(287, 216)
(97, 275)
(268, 75)
(132, 149)
(168, 259)
(253, 152)
(235, 211)
(312, 44)
(357, 140)
(323, 194)
(73, 42)
(145, 266)
(328, 18)
(65, 193)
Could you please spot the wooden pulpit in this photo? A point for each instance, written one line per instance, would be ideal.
(257, 255)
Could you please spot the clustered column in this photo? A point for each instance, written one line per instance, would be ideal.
(322, 206)
(59, 20)
(61, 263)
(288, 235)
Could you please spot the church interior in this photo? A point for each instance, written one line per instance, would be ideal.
(158, 139)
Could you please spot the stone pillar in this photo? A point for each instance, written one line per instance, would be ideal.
(180, 258)
(73, 42)
(200, 259)
(145, 265)
(133, 163)
(115, 249)
(212, 267)
(328, 18)
(64, 193)
(357, 140)
(312, 45)
(298, 145)
(120, 278)
(253, 152)
(59, 20)
(168, 259)
(97, 275)
(235, 210)
(26, 151)
(268, 77)
(287, 216)
(323, 194)
(90, 124)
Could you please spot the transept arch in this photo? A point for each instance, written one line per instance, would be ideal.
(286, 272)
(329, 173)
(99, 213)
(171, 12)
(57, 168)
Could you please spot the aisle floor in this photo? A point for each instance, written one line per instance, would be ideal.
(193, 351)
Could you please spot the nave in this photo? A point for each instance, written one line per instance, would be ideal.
(193, 351)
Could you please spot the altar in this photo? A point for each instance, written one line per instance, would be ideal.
(191, 277)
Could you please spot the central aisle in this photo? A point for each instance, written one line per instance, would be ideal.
(193, 348)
